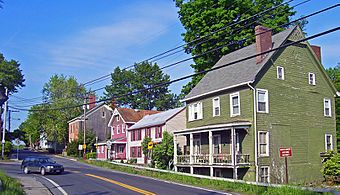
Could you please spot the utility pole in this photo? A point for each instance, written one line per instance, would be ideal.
(4, 128)
(84, 146)
(9, 119)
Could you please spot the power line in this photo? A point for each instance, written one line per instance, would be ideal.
(158, 56)
(199, 73)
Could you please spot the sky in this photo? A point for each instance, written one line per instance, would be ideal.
(88, 39)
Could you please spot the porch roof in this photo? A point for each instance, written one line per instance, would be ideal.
(217, 127)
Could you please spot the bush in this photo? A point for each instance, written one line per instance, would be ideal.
(132, 161)
(163, 153)
(331, 168)
(72, 148)
(92, 155)
(8, 147)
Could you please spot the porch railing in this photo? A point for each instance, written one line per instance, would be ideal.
(183, 159)
(242, 159)
(200, 158)
(222, 159)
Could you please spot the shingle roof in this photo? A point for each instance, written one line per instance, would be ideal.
(132, 115)
(156, 119)
(242, 72)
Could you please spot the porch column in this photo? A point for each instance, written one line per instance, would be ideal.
(233, 152)
(210, 148)
(191, 148)
(211, 172)
(175, 150)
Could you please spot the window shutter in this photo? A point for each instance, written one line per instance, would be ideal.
(190, 113)
(200, 110)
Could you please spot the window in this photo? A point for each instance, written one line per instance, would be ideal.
(327, 107)
(158, 132)
(118, 129)
(264, 174)
(139, 151)
(217, 144)
(147, 132)
(133, 137)
(311, 78)
(121, 149)
(328, 142)
(136, 135)
(112, 130)
(197, 146)
(262, 101)
(117, 118)
(123, 128)
(280, 73)
(103, 149)
(263, 143)
(103, 114)
(216, 106)
(195, 111)
(133, 151)
(235, 104)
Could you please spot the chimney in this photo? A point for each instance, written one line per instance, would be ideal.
(92, 101)
(263, 42)
(317, 51)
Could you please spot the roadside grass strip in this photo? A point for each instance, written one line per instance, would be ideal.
(9, 185)
(220, 185)
(122, 184)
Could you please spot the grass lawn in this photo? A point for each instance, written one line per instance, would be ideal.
(205, 183)
(10, 186)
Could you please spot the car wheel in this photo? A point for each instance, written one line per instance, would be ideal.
(42, 171)
(26, 171)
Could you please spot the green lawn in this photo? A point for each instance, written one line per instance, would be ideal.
(10, 186)
(205, 183)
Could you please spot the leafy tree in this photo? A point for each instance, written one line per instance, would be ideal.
(11, 78)
(32, 126)
(201, 17)
(142, 77)
(72, 148)
(90, 139)
(163, 153)
(145, 143)
(334, 75)
(59, 92)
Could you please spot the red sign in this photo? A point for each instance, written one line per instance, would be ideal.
(286, 152)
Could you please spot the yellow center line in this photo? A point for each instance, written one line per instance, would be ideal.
(122, 184)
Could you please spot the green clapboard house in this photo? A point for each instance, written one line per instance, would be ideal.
(239, 117)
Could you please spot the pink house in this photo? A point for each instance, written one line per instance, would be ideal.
(121, 120)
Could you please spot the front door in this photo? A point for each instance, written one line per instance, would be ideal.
(217, 144)
(197, 146)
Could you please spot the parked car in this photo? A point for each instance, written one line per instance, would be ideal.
(41, 164)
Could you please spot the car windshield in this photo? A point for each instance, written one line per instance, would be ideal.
(46, 160)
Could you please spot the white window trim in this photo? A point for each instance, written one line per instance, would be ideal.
(118, 129)
(231, 104)
(283, 72)
(267, 141)
(215, 106)
(123, 128)
(118, 117)
(268, 172)
(331, 136)
(199, 111)
(314, 78)
(330, 107)
(112, 130)
(266, 98)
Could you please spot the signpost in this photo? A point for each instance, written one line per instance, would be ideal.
(17, 142)
(286, 152)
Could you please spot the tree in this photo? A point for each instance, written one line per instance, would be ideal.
(32, 126)
(334, 75)
(11, 78)
(163, 153)
(201, 17)
(145, 144)
(137, 83)
(90, 139)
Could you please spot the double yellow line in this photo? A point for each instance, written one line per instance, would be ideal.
(121, 184)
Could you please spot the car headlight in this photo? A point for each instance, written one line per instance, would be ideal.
(50, 167)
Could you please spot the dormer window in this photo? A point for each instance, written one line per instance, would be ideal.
(311, 78)
(280, 73)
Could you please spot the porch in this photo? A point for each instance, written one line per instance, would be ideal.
(220, 147)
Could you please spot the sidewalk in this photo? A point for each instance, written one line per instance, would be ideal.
(33, 187)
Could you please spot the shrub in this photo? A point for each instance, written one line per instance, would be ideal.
(92, 155)
(8, 147)
(132, 161)
(331, 168)
(72, 148)
(163, 153)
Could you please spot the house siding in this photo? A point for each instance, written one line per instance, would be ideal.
(96, 123)
(296, 117)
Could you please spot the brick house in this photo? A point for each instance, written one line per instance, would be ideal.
(239, 116)
(121, 120)
(153, 126)
(97, 118)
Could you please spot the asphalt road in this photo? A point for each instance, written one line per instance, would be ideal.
(80, 178)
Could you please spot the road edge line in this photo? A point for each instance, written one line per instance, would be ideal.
(56, 185)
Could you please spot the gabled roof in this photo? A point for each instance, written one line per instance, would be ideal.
(131, 115)
(90, 112)
(236, 74)
(156, 119)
